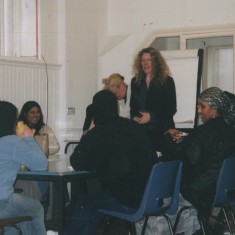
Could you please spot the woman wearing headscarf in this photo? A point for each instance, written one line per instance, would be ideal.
(204, 150)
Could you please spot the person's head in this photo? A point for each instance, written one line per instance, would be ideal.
(212, 103)
(115, 83)
(8, 118)
(31, 115)
(105, 107)
(149, 61)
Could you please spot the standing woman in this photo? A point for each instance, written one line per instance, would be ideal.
(153, 95)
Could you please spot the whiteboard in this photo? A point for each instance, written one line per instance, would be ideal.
(185, 67)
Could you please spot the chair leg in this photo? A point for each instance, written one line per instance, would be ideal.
(202, 226)
(132, 229)
(232, 214)
(227, 221)
(16, 227)
(145, 225)
(169, 224)
(178, 217)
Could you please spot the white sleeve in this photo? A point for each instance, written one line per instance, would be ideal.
(54, 145)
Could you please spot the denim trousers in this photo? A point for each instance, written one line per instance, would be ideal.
(18, 205)
(84, 219)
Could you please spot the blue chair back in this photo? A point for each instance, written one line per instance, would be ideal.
(162, 191)
(225, 183)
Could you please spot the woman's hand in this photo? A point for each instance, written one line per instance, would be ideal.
(92, 125)
(26, 132)
(175, 134)
(145, 118)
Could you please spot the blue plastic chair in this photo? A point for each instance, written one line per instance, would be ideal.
(225, 193)
(161, 196)
(224, 196)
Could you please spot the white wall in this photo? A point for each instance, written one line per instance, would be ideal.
(137, 18)
(94, 38)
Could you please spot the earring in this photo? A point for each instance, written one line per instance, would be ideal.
(214, 116)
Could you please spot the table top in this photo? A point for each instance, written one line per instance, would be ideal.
(58, 165)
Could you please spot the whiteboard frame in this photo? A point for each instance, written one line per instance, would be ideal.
(178, 62)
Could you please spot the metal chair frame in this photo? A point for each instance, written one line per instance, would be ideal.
(13, 222)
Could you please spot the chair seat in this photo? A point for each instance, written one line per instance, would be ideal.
(14, 220)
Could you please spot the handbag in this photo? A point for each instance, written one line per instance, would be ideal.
(43, 142)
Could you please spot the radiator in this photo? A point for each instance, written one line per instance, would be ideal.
(21, 81)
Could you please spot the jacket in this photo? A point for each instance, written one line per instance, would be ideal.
(203, 152)
(160, 103)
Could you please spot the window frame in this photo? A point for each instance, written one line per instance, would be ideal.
(14, 49)
(193, 33)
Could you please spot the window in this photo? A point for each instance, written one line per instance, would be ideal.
(19, 28)
(167, 43)
(218, 60)
(218, 66)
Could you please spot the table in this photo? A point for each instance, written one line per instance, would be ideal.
(60, 173)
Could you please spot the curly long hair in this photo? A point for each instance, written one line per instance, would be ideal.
(160, 68)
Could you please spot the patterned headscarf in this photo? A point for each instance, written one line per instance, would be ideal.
(222, 102)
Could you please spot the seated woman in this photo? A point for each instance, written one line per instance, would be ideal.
(31, 115)
(14, 152)
(204, 150)
(123, 160)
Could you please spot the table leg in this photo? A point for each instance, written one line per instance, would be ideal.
(59, 200)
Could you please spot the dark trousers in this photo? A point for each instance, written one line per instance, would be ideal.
(85, 219)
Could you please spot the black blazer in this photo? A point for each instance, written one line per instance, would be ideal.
(160, 103)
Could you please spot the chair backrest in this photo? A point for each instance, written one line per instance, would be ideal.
(225, 182)
(162, 191)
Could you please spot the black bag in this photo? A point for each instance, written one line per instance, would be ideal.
(113, 226)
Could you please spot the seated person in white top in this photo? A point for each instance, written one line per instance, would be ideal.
(31, 114)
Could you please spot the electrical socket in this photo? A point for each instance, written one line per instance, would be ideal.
(71, 111)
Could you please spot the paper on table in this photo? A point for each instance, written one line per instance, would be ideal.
(185, 121)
